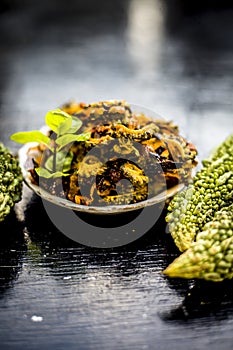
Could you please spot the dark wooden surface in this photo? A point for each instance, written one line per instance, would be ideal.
(173, 58)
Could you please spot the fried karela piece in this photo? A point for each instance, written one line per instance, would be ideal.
(211, 256)
(211, 189)
(10, 182)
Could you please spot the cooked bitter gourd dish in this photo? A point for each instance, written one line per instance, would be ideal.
(116, 144)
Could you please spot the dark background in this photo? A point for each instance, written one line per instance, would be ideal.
(175, 57)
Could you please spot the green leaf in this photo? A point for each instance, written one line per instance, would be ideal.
(66, 166)
(47, 175)
(84, 137)
(76, 125)
(64, 126)
(31, 136)
(63, 161)
(49, 163)
(68, 138)
(43, 173)
(55, 118)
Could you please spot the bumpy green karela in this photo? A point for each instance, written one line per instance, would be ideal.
(211, 256)
(210, 190)
(10, 182)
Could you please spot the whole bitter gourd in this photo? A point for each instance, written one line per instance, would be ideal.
(10, 181)
(210, 190)
(210, 257)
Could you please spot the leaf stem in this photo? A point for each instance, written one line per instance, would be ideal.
(54, 158)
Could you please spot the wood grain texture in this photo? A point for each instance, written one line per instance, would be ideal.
(179, 64)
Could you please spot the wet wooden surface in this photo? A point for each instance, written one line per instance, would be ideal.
(177, 60)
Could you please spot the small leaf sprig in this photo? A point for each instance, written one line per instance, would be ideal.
(65, 128)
